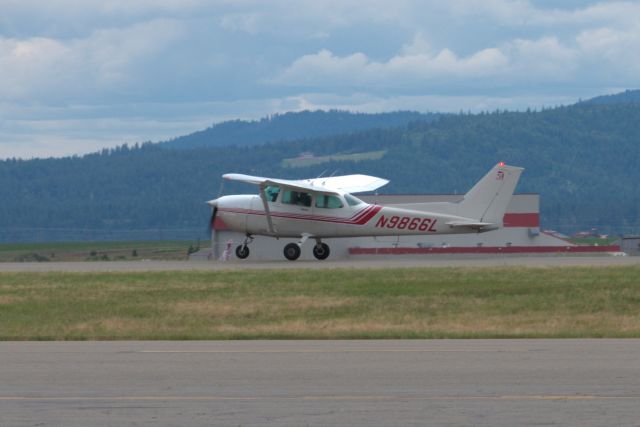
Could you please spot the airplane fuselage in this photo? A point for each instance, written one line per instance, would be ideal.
(246, 214)
(325, 208)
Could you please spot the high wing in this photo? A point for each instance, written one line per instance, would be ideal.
(350, 183)
(332, 185)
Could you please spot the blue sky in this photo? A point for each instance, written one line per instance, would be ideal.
(79, 75)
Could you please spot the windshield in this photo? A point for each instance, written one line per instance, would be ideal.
(352, 201)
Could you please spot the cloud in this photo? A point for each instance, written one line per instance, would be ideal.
(112, 71)
(612, 51)
(517, 61)
(45, 69)
(518, 13)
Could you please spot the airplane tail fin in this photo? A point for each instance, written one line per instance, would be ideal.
(487, 201)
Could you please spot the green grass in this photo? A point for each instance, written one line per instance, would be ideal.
(90, 251)
(344, 303)
(355, 157)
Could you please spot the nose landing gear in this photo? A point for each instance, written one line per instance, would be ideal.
(242, 251)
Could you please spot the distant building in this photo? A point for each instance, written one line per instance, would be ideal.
(630, 245)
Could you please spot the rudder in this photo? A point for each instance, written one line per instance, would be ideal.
(487, 201)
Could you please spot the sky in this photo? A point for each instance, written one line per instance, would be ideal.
(80, 75)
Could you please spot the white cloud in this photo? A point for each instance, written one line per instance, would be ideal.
(545, 58)
(26, 66)
(247, 22)
(108, 64)
(44, 69)
(524, 13)
(612, 50)
(516, 61)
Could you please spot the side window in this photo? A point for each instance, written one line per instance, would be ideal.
(328, 201)
(272, 192)
(296, 198)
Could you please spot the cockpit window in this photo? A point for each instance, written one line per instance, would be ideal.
(271, 192)
(296, 198)
(352, 201)
(328, 201)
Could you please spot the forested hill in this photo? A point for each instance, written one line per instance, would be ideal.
(582, 159)
(291, 126)
(628, 96)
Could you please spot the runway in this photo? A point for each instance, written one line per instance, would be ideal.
(362, 383)
(404, 262)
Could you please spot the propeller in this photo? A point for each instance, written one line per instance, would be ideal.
(212, 220)
(212, 228)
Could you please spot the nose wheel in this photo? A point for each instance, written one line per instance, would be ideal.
(321, 251)
(242, 251)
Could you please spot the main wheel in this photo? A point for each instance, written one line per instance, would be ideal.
(292, 251)
(321, 251)
(242, 251)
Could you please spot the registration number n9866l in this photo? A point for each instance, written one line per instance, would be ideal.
(407, 223)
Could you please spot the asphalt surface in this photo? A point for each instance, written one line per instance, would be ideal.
(282, 383)
(431, 261)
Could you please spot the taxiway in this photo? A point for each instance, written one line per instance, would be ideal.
(360, 383)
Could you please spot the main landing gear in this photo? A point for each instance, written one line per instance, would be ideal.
(320, 250)
(292, 251)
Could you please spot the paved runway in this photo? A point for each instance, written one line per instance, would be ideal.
(431, 261)
(362, 383)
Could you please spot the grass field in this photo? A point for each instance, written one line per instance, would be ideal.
(96, 251)
(391, 303)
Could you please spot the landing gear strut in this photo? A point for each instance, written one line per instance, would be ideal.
(242, 251)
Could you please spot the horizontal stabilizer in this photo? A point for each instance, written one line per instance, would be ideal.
(480, 226)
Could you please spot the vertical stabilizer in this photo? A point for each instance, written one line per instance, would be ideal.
(487, 201)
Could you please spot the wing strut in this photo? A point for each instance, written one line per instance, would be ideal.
(267, 211)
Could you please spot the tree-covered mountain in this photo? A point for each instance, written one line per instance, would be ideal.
(291, 126)
(583, 160)
(628, 96)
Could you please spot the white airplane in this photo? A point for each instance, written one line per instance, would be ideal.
(325, 208)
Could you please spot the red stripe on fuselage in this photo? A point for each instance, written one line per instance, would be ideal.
(367, 217)
(360, 218)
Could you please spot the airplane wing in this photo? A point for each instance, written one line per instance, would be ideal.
(350, 183)
(333, 185)
(303, 185)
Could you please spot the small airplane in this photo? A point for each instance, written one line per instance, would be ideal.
(322, 208)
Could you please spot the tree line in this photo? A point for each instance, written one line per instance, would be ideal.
(583, 160)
